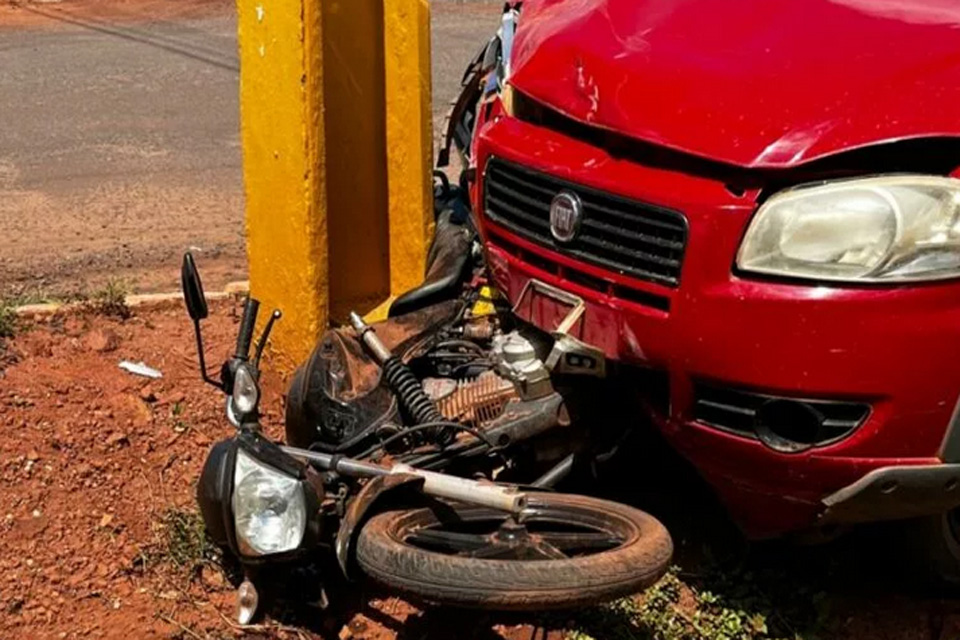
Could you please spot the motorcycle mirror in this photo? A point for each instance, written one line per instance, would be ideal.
(197, 308)
(193, 289)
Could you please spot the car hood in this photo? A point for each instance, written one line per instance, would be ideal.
(756, 83)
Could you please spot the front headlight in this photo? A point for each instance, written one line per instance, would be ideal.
(269, 508)
(894, 228)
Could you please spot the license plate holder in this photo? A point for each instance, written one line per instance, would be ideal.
(559, 312)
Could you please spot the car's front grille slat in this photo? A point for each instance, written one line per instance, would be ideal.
(642, 238)
(627, 218)
(625, 236)
(629, 255)
(505, 191)
(519, 181)
(525, 217)
(840, 424)
(728, 408)
(648, 272)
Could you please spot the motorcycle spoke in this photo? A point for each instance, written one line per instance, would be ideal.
(495, 551)
(448, 540)
(547, 551)
(581, 541)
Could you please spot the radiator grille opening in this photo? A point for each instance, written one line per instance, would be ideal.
(625, 236)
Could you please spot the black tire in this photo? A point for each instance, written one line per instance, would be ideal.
(641, 556)
(935, 542)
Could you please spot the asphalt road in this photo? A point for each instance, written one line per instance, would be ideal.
(119, 143)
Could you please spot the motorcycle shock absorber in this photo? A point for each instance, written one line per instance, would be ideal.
(401, 379)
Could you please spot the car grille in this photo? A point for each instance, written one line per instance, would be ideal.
(735, 410)
(625, 236)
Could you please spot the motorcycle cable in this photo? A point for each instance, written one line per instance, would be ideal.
(443, 457)
(426, 426)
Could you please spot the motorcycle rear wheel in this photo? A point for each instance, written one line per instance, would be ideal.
(563, 551)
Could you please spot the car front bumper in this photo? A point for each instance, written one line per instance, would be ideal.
(893, 348)
(891, 493)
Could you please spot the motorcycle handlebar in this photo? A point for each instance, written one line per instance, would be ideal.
(247, 324)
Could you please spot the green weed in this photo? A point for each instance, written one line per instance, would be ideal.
(8, 320)
(184, 541)
(675, 610)
(111, 300)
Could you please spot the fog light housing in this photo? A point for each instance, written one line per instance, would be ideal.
(788, 425)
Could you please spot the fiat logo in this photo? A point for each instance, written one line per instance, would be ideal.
(566, 210)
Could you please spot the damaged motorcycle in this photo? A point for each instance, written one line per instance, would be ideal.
(422, 452)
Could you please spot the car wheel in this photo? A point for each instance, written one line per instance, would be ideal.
(936, 540)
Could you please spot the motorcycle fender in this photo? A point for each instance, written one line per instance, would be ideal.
(360, 508)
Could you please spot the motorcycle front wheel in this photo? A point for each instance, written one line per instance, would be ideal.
(562, 551)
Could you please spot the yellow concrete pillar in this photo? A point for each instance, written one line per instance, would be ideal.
(354, 95)
(337, 143)
(282, 132)
(409, 138)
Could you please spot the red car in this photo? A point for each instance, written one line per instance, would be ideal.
(754, 201)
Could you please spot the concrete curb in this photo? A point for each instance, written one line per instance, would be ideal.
(142, 300)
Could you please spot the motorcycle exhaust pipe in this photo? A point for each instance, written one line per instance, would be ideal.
(439, 485)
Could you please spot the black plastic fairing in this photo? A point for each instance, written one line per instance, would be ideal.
(269, 453)
(214, 490)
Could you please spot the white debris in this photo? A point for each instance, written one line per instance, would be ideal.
(140, 369)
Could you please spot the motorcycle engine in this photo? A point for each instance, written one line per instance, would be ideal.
(338, 401)
(508, 369)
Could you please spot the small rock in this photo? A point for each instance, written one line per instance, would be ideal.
(117, 438)
(33, 456)
(147, 394)
(212, 578)
(102, 340)
(106, 520)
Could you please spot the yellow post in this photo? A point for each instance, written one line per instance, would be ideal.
(282, 132)
(409, 139)
(337, 144)
(355, 104)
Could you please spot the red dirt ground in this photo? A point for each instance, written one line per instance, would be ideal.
(91, 458)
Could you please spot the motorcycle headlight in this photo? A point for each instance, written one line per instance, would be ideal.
(246, 393)
(883, 229)
(269, 508)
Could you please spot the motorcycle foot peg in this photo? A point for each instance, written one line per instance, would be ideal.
(247, 601)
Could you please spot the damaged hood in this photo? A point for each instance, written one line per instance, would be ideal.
(756, 83)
